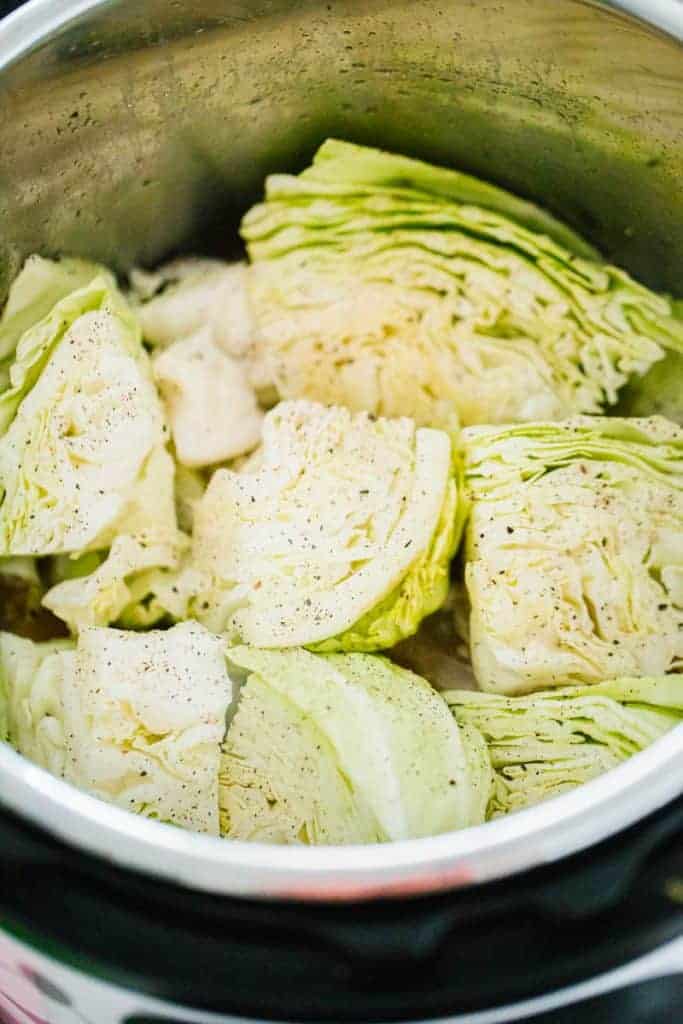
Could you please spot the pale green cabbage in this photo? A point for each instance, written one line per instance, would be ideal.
(135, 719)
(385, 284)
(185, 296)
(190, 296)
(574, 551)
(31, 676)
(121, 587)
(211, 407)
(439, 651)
(344, 748)
(82, 433)
(543, 745)
(34, 326)
(338, 536)
(36, 292)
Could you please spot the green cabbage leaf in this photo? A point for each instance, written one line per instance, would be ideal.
(385, 284)
(548, 743)
(338, 535)
(134, 719)
(574, 551)
(343, 748)
(82, 430)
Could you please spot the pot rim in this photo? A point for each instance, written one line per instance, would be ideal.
(36, 20)
(527, 839)
(524, 840)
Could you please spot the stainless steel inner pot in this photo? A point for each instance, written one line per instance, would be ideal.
(132, 129)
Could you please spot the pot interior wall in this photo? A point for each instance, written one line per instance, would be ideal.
(146, 126)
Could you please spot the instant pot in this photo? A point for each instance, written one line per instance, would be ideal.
(134, 129)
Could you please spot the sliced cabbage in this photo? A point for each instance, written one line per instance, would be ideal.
(575, 551)
(135, 719)
(211, 407)
(382, 283)
(31, 676)
(36, 292)
(165, 589)
(338, 536)
(189, 295)
(142, 581)
(119, 588)
(161, 596)
(343, 749)
(546, 744)
(82, 456)
(184, 296)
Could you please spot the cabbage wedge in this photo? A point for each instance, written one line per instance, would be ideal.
(386, 284)
(36, 292)
(82, 431)
(337, 535)
(344, 748)
(574, 551)
(546, 744)
(135, 719)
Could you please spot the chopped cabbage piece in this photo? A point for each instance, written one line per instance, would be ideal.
(117, 586)
(211, 407)
(163, 593)
(382, 283)
(480, 772)
(36, 292)
(31, 679)
(160, 596)
(182, 297)
(546, 744)
(185, 296)
(82, 455)
(575, 551)
(338, 536)
(135, 719)
(344, 748)
(29, 351)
